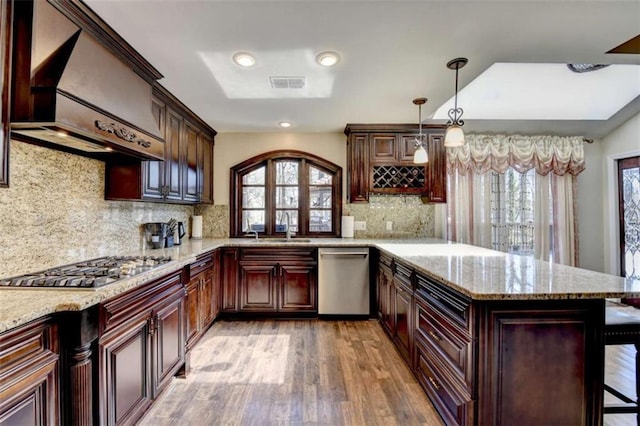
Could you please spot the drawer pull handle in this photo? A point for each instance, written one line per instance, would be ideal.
(435, 296)
(436, 336)
(434, 383)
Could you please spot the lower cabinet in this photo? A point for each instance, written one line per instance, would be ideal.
(29, 375)
(228, 278)
(486, 362)
(269, 280)
(201, 297)
(140, 348)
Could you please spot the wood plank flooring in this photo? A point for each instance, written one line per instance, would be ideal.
(619, 373)
(312, 372)
(305, 372)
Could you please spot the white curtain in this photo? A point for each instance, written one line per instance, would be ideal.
(477, 200)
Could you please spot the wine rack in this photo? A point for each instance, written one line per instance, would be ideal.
(389, 176)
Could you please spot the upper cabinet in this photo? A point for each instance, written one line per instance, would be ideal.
(186, 175)
(5, 98)
(380, 161)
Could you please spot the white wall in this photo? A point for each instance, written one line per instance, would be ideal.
(623, 142)
(233, 148)
(589, 210)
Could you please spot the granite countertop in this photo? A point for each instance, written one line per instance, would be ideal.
(479, 273)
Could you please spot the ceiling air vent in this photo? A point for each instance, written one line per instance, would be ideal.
(280, 82)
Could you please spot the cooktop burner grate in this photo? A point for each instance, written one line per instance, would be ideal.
(92, 273)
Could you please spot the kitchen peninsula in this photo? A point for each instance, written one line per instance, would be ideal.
(492, 337)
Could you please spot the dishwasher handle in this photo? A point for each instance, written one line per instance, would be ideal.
(344, 253)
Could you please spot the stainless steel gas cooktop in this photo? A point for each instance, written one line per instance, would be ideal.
(92, 273)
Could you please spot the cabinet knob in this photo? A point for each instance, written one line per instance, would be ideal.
(434, 383)
(435, 336)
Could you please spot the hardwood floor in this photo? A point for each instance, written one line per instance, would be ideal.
(619, 372)
(312, 372)
(294, 373)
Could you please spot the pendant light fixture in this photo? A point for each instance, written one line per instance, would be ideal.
(420, 155)
(455, 135)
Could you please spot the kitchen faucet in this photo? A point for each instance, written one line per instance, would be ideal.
(289, 234)
(251, 232)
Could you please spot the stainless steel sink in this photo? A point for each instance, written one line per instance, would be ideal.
(284, 240)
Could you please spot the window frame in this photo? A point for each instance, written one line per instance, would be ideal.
(267, 159)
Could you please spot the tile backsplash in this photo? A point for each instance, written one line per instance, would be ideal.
(54, 212)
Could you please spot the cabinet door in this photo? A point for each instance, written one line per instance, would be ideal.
(298, 288)
(388, 319)
(5, 88)
(402, 323)
(206, 299)
(383, 148)
(168, 342)
(125, 370)
(153, 171)
(408, 148)
(215, 276)
(33, 400)
(437, 169)
(258, 287)
(190, 169)
(205, 169)
(173, 156)
(192, 304)
(358, 167)
(229, 280)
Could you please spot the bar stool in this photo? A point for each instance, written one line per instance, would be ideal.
(622, 327)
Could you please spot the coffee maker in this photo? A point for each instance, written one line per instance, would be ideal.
(155, 234)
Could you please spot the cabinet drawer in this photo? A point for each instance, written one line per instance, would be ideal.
(202, 263)
(27, 342)
(140, 299)
(447, 301)
(279, 254)
(385, 259)
(403, 274)
(452, 348)
(454, 405)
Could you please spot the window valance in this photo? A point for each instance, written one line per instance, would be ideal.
(560, 155)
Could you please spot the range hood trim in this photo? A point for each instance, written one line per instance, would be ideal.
(42, 106)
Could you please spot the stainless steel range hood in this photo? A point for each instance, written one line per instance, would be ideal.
(71, 92)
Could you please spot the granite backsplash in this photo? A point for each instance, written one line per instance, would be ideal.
(54, 212)
(411, 218)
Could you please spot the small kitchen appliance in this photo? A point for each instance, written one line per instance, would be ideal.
(155, 234)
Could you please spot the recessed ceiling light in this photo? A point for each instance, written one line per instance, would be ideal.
(327, 59)
(244, 59)
(285, 124)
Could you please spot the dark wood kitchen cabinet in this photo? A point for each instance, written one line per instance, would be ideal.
(380, 161)
(29, 374)
(402, 310)
(141, 346)
(497, 362)
(274, 280)
(201, 297)
(357, 166)
(186, 174)
(6, 30)
(228, 276)
(384, 279)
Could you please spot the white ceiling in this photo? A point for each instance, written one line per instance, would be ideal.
(391, 52)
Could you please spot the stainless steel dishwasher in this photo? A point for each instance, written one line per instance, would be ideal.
(343, 281)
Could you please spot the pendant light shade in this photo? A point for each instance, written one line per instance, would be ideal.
(455, 135)
(420, 155)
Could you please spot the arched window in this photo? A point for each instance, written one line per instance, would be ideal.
(269, 187)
